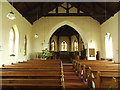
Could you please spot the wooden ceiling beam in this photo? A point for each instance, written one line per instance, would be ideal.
(67, 8)
(56, 6)
(70, 14)
(88, 10)
(63, 7)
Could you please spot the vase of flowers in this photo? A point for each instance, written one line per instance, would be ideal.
(45, 54)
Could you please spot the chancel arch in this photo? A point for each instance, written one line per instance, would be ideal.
(79, 30)
(68, 43)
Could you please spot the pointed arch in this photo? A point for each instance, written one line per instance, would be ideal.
(80, 31)
(13, 40)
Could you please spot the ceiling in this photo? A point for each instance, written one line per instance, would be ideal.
(100, 11)
(63, 31)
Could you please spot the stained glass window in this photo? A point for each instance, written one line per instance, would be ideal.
(75, 45)
(63, 46)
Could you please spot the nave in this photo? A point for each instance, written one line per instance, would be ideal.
(54, 75)
(59, 45)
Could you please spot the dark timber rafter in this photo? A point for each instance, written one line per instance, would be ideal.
(67, 8)
(89, 11)
(96, 10)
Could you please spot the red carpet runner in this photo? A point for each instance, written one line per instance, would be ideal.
(72, 81)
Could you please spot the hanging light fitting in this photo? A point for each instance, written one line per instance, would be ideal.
(11, 15)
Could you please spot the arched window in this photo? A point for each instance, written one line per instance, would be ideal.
(25, 46)
(108, 46)
(75, 45)
(12, 41)
(53, 46)
(63, 46)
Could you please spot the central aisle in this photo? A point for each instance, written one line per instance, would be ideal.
(72, 81)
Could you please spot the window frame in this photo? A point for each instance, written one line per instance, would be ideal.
(12, 41)
(63, 46)
(108, 46)
(53, 45)
(75, 49)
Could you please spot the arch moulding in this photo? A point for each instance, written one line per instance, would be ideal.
(80, 31)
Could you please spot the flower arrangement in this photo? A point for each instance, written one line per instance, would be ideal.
(46, 54)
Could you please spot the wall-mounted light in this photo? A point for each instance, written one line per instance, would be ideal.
(11, 15)
(36, 35)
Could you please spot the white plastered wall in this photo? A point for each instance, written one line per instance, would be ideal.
(119, 37)
(24, 28)
(87, 27)
(1, 33)
(111, 26)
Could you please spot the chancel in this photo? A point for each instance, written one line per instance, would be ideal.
(59, 45)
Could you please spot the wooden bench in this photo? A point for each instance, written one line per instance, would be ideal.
(76, 63)
(92, 72)
(90, 69)
(97, 65)
(106, 80)
(81, 66)
(38, 75)
(25, 86)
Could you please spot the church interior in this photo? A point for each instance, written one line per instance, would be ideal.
(59, 45)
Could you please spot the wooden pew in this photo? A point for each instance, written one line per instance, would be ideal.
(76, 63)
(106, 80)
(27, 86)
(92, 73)
(108, 72)
(97, 65)
(29, 72)
(32, 69)
(30, 81)
(81, 66)
(36, 61)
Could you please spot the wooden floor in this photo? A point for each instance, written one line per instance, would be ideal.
(72, 81)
